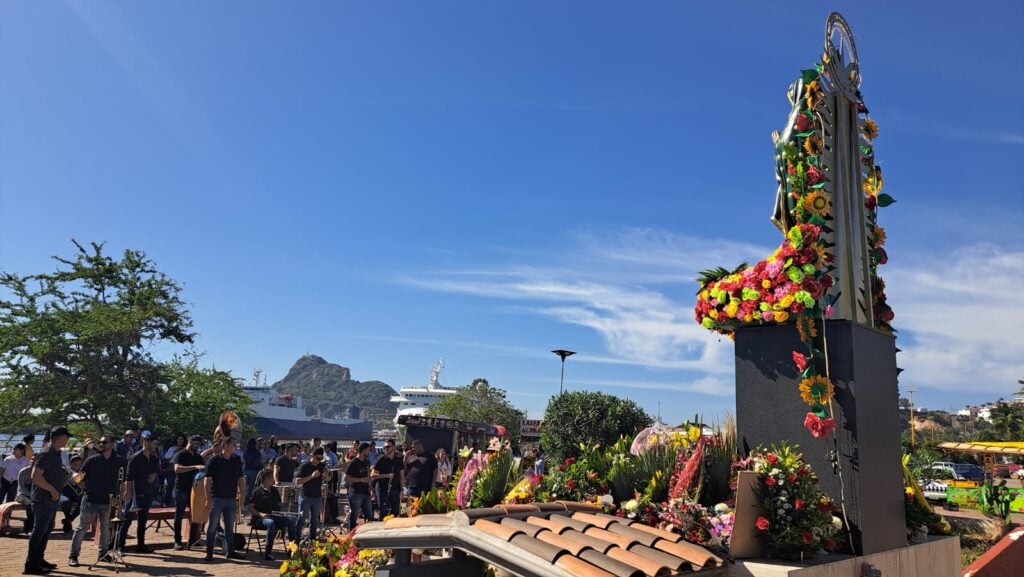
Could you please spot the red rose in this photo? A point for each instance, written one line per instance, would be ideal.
(883, 257)
(871, 201)
(888, 315)
(791, 169)
(826, 282)
(808, 538)
(798, 504)
(571, 485)
(770, 481)
(819, 427)
(812, 176)
(763, 524)
(826, 506)
(831, 545)
(771, 458)
(570, 461)
(803, 123)
(800, 360)
(791, 478)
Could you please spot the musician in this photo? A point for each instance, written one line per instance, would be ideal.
(285, 465)
(357, 477)
(140, 475)
(331, 502)
(310, 476)
(47, 483)
(187, 463)
(101, 473)
(223, 483)
(390, 478)
(264, 502)
(71, 496)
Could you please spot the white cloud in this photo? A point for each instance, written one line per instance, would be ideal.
(961, 326)
(961, 314)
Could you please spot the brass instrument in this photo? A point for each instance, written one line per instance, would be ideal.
(117, 499)
(73, 480)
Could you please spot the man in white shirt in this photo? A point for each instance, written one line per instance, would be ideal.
(12, 465)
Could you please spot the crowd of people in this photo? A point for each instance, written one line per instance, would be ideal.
(296, 487)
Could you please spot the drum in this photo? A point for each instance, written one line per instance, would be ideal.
(289, 496)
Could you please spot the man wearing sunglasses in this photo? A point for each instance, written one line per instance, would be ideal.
(310, 476)
(100, 485)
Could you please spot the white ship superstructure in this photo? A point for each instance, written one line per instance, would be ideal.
(415, 400)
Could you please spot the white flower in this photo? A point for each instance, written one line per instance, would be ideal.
(607, 500)
(631, 506)
(837, 522)
(774, 472)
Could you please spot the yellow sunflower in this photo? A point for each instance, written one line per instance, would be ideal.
(813, 94)
(870, 129)
(873, 183)
(816, 389)
(821, 255)
(879, 236)
(816, 203)
(813, 144)
(805, 326)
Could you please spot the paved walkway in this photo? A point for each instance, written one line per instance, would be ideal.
(163, 561)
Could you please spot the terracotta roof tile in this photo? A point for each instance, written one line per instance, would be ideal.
(581, 568)
(547, 539)
(571, 545)
(648, 566)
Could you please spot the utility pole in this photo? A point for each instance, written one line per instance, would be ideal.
(910, 392)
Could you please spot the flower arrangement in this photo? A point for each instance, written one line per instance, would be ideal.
(796, 516)
(436, 500)
(336, 556)
(523, 491)
(792, 284)
(574, 480)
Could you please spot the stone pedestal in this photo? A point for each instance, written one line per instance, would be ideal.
(862, 364)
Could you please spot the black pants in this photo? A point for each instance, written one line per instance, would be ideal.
(142, 516)
(181, 501)
(45, 513)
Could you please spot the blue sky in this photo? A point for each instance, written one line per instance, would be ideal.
(383, 184)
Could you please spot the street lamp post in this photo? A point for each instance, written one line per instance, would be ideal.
(562, 354)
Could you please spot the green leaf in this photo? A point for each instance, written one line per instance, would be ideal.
(885, 200)
(816, 220)
(810, 74)
(804, 134)
(819, 410)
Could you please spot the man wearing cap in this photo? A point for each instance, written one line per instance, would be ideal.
(187, 463)
(47, 483)
(101, 472)
(139, 478)
(127, 446)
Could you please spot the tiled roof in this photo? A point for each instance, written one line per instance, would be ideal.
(548, 539)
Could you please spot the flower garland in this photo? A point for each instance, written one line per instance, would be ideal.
(791, 284)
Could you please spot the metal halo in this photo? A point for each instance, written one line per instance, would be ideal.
(843, 65)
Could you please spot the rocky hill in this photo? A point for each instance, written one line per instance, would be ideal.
(328, 391)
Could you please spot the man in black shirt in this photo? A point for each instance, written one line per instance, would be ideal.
(265, 500)
(101, 472)
(47, 483)
(310, 476)
(389, 473)
(285, 465)
(223, 482)
(138, 483)
(186, 463)
(357, 477)
(420, 470)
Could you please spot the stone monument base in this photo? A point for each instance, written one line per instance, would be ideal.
(938, 557)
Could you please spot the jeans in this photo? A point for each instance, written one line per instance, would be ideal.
(45, 512)
(222, 506)
(359, 503)
(389, 502)
(272, 524)
(310, 508)
(181, 502)
(142, 516)
(89, 513)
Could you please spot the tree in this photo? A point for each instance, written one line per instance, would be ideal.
(75, 344)
(480, 402)
(587, 417)
(191, 398)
